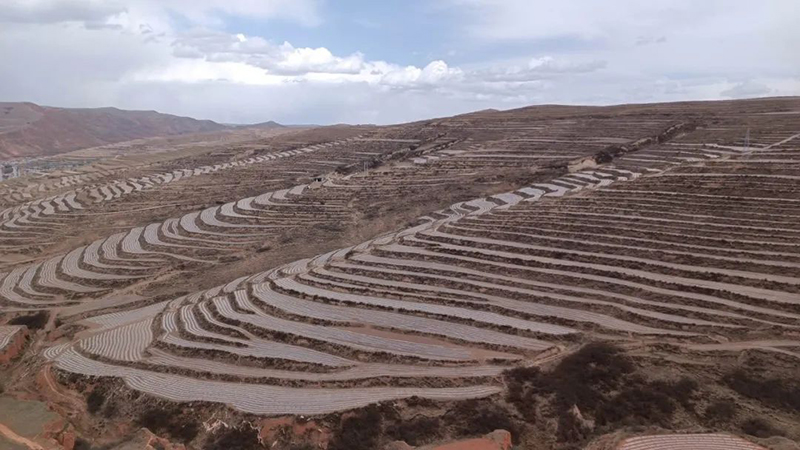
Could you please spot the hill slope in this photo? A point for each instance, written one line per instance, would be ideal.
(28, 130)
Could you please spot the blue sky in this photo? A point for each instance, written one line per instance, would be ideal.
(327, 61)
(404, 32)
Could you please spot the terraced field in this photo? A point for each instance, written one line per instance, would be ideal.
(689, 441)
(7, 334)
(552, 228)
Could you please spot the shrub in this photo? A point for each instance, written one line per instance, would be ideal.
(360, 431)
(475, 417)
(304, 446)
(779, 393)
(639, 404)
(110, 410)
(417, 431)
(420, 402)
(171, 421)
(95, 400)
(585, 376)
(183, 431)
(82, 444)
(682, 391)
(720, 411)
(758, 427)
(524, 383)
(153, 418)
(570, 429)
(235, 438)
(32, 321)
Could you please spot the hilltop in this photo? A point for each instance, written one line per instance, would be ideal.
(30, 130)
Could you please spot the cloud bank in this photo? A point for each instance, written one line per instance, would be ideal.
(205, 58)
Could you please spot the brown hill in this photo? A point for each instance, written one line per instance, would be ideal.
(28, 130)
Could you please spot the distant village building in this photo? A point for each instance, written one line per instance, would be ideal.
(8, 171)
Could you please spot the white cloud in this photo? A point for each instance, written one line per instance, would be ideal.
(436, 72)
(55, 11)
(282, 59)
(538, 69)
(189, 57)
(746, 89)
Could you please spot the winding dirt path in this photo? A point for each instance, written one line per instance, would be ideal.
(55, 394)
(9, 434)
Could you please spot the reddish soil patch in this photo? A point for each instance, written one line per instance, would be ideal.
(293, 430)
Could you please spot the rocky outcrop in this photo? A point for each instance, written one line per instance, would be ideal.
(12, 342)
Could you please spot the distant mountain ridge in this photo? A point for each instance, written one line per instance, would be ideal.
(272, 124)
(29, 130)
(269, 124)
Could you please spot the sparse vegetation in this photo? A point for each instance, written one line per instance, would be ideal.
(570, 429)
(720, 412)
(95, 400)
(776, 392)
(584, 377)
(758, 427)
(360, 431)
(241, 438)
(171, 421)
(478, 417)
(605, 386)
(416, 431)
(641, 403)
(110, 410)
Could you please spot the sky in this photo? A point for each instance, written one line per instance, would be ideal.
(391, 61)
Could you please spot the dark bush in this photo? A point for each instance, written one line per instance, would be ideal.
(523, 375)
(779, 393)
(682, 391)
(95, 400)
(301, 447)
(570, 429)
(32, 321)
(360, 431)
(417, 431)
(110, 410)
(759, 427)
(720, 412)
(523, 385)
(585, 376)
(82, 444)
(234, 438)
(171, 421)
(638, 404)
(184, 432)
(153, 418)
(420, 402)
(477, 417)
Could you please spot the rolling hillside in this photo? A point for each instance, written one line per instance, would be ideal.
(29, 130)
